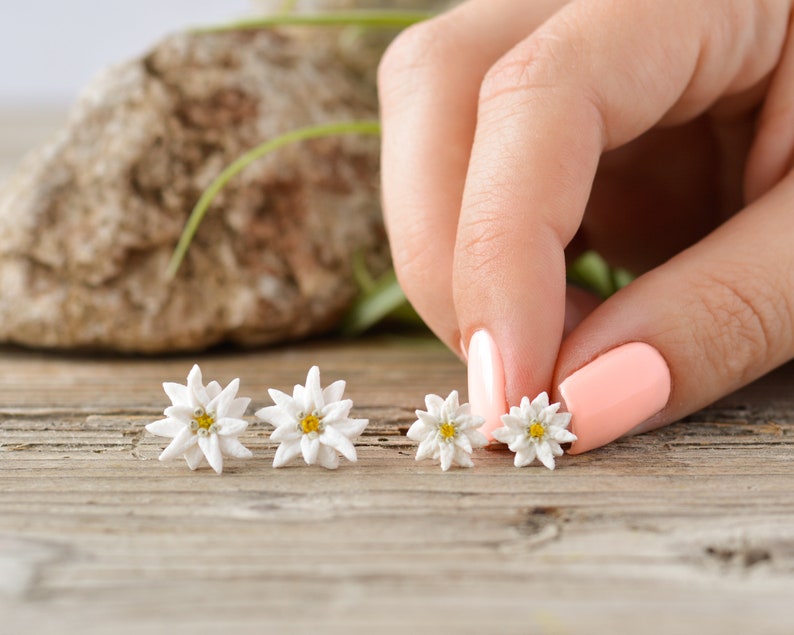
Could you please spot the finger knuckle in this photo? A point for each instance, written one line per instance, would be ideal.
(416, 55)
(744, 326)
(485, 242)
(414, 262)
(526, 69)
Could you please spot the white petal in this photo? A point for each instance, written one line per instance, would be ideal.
(541, 401)
(166, 427)
(525, 455)
(549, 412)
(520, 442)
(515, 419)
(428, 418)
(181, 413)
(328, 458)
(476, 438)
(194, 457)
(351, 428)
(179, 445)
(212, 450)
(435, 405)
(336, 411)
(334, 392)
(231, 427)
(286, 452)
(285, 402)
(447, 454)
(232, 447)
(545, 455)
(286, 433)
(469, 422)
(213, 389)
(503, 434)
(196, 391)
(564, 436)
(313, 398)
(427, 448)
(451, 405)
(237, 408)
(275, 416)
(177, 393)
(463, 442)
(418, 431)
(220, 404)
(462, 458)
(339, 442)
(310, 447)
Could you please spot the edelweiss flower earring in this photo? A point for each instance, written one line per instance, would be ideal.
(447, 431)
(313, 422)
(535, 429)
(203, 421)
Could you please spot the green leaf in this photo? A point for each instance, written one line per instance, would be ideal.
(385, 299)
(591, 271)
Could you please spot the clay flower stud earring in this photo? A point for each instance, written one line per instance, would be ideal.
(313, 422)
(447, 431)
(535, 429)
(203, 421)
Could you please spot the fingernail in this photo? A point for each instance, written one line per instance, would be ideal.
(486, 381)
(615, 393)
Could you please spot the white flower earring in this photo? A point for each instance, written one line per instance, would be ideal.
(535, 430)
(447, 431)
(313, 422)
(203, 421)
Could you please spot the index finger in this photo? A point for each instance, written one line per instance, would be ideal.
(594, 76)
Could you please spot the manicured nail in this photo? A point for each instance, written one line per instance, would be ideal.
(486, 381)
(615, 393)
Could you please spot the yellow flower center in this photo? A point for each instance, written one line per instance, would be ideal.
(536, 431)
(447, 430)
(205, 421)
(310, 423)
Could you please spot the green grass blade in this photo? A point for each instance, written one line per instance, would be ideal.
(367, 19)
(232, 170)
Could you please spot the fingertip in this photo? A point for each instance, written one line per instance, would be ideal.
(614, 393)
(486, 381)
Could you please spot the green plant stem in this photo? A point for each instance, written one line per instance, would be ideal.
(233, 169)
(369, 19)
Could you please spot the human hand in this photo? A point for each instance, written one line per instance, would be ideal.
(661, 134)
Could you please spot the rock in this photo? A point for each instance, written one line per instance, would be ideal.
(88, 222)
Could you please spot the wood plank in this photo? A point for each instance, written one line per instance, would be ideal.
(688, 528)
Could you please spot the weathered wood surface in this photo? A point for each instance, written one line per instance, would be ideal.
(688, 529)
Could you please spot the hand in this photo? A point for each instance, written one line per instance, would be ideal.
(660, 134)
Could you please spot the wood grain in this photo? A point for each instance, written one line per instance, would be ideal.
(689, 528)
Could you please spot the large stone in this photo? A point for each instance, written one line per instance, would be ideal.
(88, 222)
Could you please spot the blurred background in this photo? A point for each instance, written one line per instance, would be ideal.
(49, 49)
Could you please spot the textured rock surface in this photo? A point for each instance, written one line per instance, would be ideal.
(87, 223)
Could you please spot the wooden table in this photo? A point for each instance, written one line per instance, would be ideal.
(687, 530)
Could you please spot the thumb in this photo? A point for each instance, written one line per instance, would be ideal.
(707, 322)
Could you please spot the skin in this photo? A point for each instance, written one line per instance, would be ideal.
(660, 133)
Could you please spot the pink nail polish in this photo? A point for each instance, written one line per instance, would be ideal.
(615, 393)
(486, 381)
